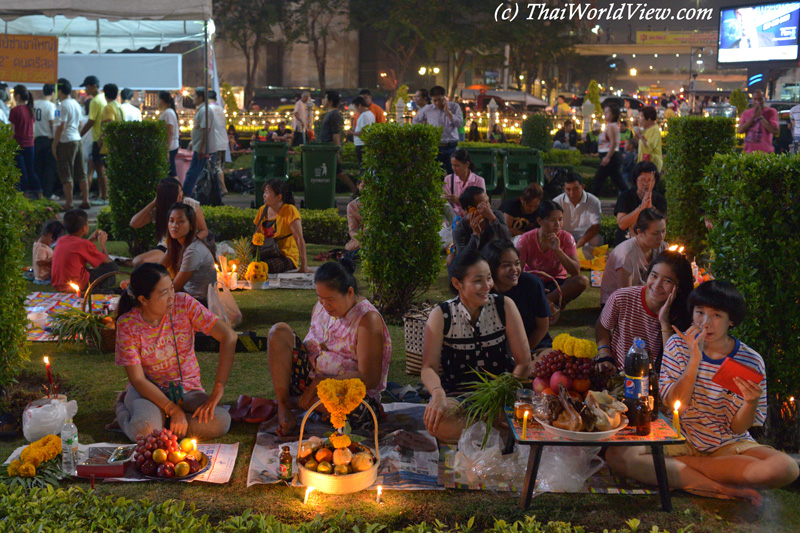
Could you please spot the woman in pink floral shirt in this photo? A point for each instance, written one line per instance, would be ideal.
(347, 339)
(155, 344)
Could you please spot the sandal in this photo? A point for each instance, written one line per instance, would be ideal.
(241, 409)
(261, 410)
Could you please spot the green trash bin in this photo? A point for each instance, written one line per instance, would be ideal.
(319, 174)
(485, 162)
(521, 167)
(270, 160)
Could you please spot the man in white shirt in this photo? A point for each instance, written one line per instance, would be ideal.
(365, 118)
(582, 214)
(130, 113)
(5, 97)
(44, 114)
(201, 140)
(446, 114)
(218, 143)
(67, 147)
(300, 119)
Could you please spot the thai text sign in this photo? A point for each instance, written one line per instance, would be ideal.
(677, 37)
(28, 58)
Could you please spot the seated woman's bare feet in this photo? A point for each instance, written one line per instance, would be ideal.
(728, 492)
(286, 421)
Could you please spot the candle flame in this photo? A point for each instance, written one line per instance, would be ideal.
(526, 414)
(680, 250)
(194, 444)
(216, 266)
(47, 362)
(677, 405)
(380, 490)
(790, 399)
(309, 490)
(673, 248)
(233, 267)
(75, 286)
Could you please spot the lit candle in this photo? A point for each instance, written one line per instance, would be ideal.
(676, 419)
(49, 374)
(378, 497)
(76, 288)
(308, 491)
(525, 424)
(194, 445)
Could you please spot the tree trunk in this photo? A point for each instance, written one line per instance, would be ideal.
(462, 56)
(248, 84)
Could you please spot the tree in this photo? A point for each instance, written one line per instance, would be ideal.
(247, 25)
(318, 23)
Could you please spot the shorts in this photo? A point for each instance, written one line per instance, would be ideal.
(219, 161)
(161, 248)
(550, 286)
(97, 157)
(359, 418)
(734, 448)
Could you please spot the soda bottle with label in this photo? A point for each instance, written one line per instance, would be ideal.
(637, 373)
(285, 467)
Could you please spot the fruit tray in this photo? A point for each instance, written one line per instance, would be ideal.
(202, 458)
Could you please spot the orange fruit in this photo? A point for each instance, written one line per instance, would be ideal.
(182, 469)
(176, 456)
(324, 455)
(581, 385)
(159, 456)
(187, 445)
(549, 391)
(575, 395)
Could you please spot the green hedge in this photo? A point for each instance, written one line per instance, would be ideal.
(693, 142)
(13, 321)
(562, 157)
(536, 132)
(32, 216)
(753, 201)
(608, 229)
(137, 160)
(498, 146)
(402, 210)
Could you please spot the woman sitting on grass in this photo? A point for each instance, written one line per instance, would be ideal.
(347, 339)
(188, 259)
(720, 458)
(646, 311)
(477, 330)
(155, 344)
(278, 220)
(168, 193)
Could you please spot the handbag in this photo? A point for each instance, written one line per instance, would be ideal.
(207, 187)
(173, 392)
(270, 249)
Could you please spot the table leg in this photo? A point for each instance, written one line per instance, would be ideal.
(661, 476)
(534, 458)
(509, 442)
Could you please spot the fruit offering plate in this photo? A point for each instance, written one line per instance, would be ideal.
(583, 435)
(204, 465)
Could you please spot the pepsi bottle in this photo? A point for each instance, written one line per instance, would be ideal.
(637, 376)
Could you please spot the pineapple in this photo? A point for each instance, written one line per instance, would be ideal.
(243, 250)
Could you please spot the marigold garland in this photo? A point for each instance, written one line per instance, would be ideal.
(340, 397)
(41, 451)
(581, 348)
(340, 441)
(258, 239)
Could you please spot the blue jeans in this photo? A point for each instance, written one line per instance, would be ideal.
(29, 181)
(173, 170)
(193, 174)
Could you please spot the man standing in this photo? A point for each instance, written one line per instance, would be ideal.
(67, 148)
(300, 119)
(111, 113)
(44, 111)
(330, 131)
(92, 86)
(759, 124)
(130, 112)
(200, 141)
(377, 112)
(421, 99)
(447, 115)
(5, 97)
(649, 137)
(582, 214)
(365, 118)
(218, 142)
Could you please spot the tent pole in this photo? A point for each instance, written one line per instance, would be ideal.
(205, 69)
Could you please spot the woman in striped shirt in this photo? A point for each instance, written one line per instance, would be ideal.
(477, 330)
(720, 458)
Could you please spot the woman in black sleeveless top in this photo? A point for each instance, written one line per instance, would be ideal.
(476, 330)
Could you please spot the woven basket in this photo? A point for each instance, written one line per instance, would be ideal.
(108, 336)
(333, 484)
(544, 275)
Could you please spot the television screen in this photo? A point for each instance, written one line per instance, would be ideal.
(752, 34)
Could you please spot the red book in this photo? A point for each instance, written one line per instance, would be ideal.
(730, 369)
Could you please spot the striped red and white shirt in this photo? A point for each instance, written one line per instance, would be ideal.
(707, 421)
(627, 316)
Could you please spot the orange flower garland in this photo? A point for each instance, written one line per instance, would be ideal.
(340, 397)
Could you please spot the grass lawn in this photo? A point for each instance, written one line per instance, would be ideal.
(93, 380)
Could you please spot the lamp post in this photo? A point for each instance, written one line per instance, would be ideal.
(692, 77)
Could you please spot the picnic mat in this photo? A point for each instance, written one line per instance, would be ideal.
(221, 456)
(54, 302)
(409, 455)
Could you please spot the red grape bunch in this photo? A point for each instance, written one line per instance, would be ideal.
(159, 454)
(555, 361)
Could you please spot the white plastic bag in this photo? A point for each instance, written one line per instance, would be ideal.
(222, 304)
(567, 468)
(43, 417)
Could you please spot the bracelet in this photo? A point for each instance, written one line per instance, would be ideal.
(606, 346)
(606, 359)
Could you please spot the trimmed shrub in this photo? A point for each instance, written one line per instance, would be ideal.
(13, 321)
(562, 157)
(137, 160)
(104, 222)
(319, 226)
(402, 210)
(536, 132)
(693, 142)
(753, 201)
(608, 228)
(32, 216)
(739, 100)
(499, 146)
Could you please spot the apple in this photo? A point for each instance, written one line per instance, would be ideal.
(166, 470)
(539, 384)
(149, 467)
(194, 464)
(559, 378)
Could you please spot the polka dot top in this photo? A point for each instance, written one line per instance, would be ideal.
(467, 347)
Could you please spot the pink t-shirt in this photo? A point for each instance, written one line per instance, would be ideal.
(757, 138)
(139, 343)
(69, 262)
(331, 344)
(533, 258)
(458, 187)
(41, 252)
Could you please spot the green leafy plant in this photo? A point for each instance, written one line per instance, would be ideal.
(487, 398)
(536, 132)
(47, 474)
(402, 210)
(76, 326)
(593, 94)
(32, 216)
(497, 146)
(693, 143)
(137, 160)
(752, 200)
(229, 99)
(562, 157)
(608, 228)
(739, 100)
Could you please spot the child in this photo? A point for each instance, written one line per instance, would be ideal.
(720, 458)
(43, 251)
(73, 252)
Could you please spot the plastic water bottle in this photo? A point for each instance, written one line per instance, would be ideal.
(637, 376)
(57, 119)
(69, 448)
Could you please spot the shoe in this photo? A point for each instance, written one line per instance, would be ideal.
(261, 410)
(86, 205)
(242, 408)
(55, 198)
(99, 202)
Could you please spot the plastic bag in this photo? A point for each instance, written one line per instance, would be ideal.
(222, 304)
(567, 468)
(44, 417)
